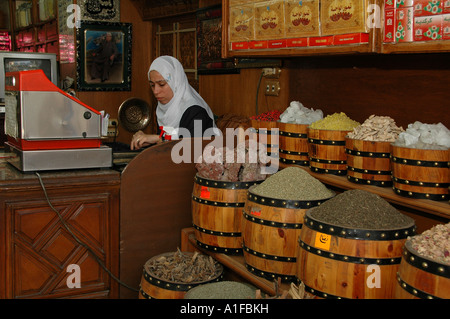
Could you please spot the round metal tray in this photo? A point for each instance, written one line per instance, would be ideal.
(134, 114)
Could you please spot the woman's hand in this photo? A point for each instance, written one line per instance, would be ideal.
(140, 140)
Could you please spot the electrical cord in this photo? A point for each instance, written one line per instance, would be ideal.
(79, 241)
(257, 91)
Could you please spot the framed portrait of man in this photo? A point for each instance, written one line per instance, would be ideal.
(104, 56)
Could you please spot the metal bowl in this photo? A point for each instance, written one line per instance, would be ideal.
(134, 114)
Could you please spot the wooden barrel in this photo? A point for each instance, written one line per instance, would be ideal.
(338, 262)
(368, 162)
(153, 287)
(326, 149)
(421, 278)
(270, 231)
(420, 173)
(293, 141)
(217, 213)
(263, 133)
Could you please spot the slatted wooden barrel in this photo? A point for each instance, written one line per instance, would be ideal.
(326, 150)
(270, 230)
(217, 213)
(339, 262)
(266, 133)
(368, 162)
(293, 140)
(421, 173)
(154, 287)
(420, 277)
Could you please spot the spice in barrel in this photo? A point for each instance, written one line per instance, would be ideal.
(344, 237)
(298, 114)
(184, 268)
(368, 149)
(273, 115)
(433, 243)
(292, 183)
(360, 209)
(424, 271)
(337, 121)
(377, 128)
(293, 133)
(273, 218)
(425, 136)
(222, 290)
(326, 144)
(420, 162)
(231, 165)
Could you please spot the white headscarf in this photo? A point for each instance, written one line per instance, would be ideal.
(184, 95)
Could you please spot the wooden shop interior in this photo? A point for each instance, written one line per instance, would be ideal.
(141, 206)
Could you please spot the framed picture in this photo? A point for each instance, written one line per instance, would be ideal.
(209, 43)
(100, 10)
(104, 56)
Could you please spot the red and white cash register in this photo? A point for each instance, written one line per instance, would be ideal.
(48, 129)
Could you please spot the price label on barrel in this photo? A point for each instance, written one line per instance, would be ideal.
(204, 192)
(322, 241)
(256, 211)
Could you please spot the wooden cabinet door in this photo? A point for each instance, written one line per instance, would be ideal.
(42, 253)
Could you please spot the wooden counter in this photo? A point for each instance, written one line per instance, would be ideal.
(36, 248)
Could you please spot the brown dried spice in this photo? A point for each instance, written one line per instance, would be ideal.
(184, 267)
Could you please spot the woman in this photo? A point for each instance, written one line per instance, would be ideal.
(179, 108)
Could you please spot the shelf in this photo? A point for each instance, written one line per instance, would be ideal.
(41, 35)
(437, 208)
(371, 46)
(417, 47)
(304, 51)
(375, 44)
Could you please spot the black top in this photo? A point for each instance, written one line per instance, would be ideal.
(195, 112)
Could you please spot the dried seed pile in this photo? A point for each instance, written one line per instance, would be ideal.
(184, 268)
(434, 243)
(377, 128)
(336, 121)
(360, 209)
(292, 183)
(222, 290)
(273, 115)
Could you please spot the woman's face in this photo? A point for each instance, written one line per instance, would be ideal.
(162, 91)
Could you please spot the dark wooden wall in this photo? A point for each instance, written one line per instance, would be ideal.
(410, 87)
(407, 87)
